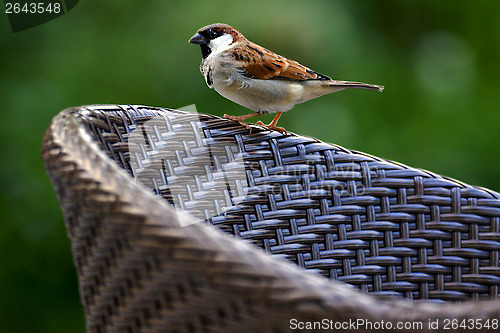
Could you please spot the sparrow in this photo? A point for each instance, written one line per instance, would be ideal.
(257, 78)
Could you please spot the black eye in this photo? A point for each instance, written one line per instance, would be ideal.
(212, 34)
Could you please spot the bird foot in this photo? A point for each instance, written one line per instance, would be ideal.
(239, 120)
(272, 127)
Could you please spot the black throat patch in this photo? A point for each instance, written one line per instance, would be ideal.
(205, 50)
(208, 77)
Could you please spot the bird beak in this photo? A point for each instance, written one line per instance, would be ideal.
(198, 39)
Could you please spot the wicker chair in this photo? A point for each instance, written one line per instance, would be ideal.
(185, 222)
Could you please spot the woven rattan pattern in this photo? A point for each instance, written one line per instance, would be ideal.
(381, 226)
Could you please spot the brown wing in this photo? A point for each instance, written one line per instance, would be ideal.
(263, 64)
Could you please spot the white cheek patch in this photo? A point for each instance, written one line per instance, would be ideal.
(221, 43)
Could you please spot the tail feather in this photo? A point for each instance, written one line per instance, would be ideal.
(316, 88)
(359, 85)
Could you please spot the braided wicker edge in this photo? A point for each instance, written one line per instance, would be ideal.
(80, 171)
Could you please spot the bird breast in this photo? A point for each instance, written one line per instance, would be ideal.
(264, 96)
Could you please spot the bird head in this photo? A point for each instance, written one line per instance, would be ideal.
(215, 38)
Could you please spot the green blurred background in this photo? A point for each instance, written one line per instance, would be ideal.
(439, 61)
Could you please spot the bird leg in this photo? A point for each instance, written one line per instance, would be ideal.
(272, 124)
(239, 119)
